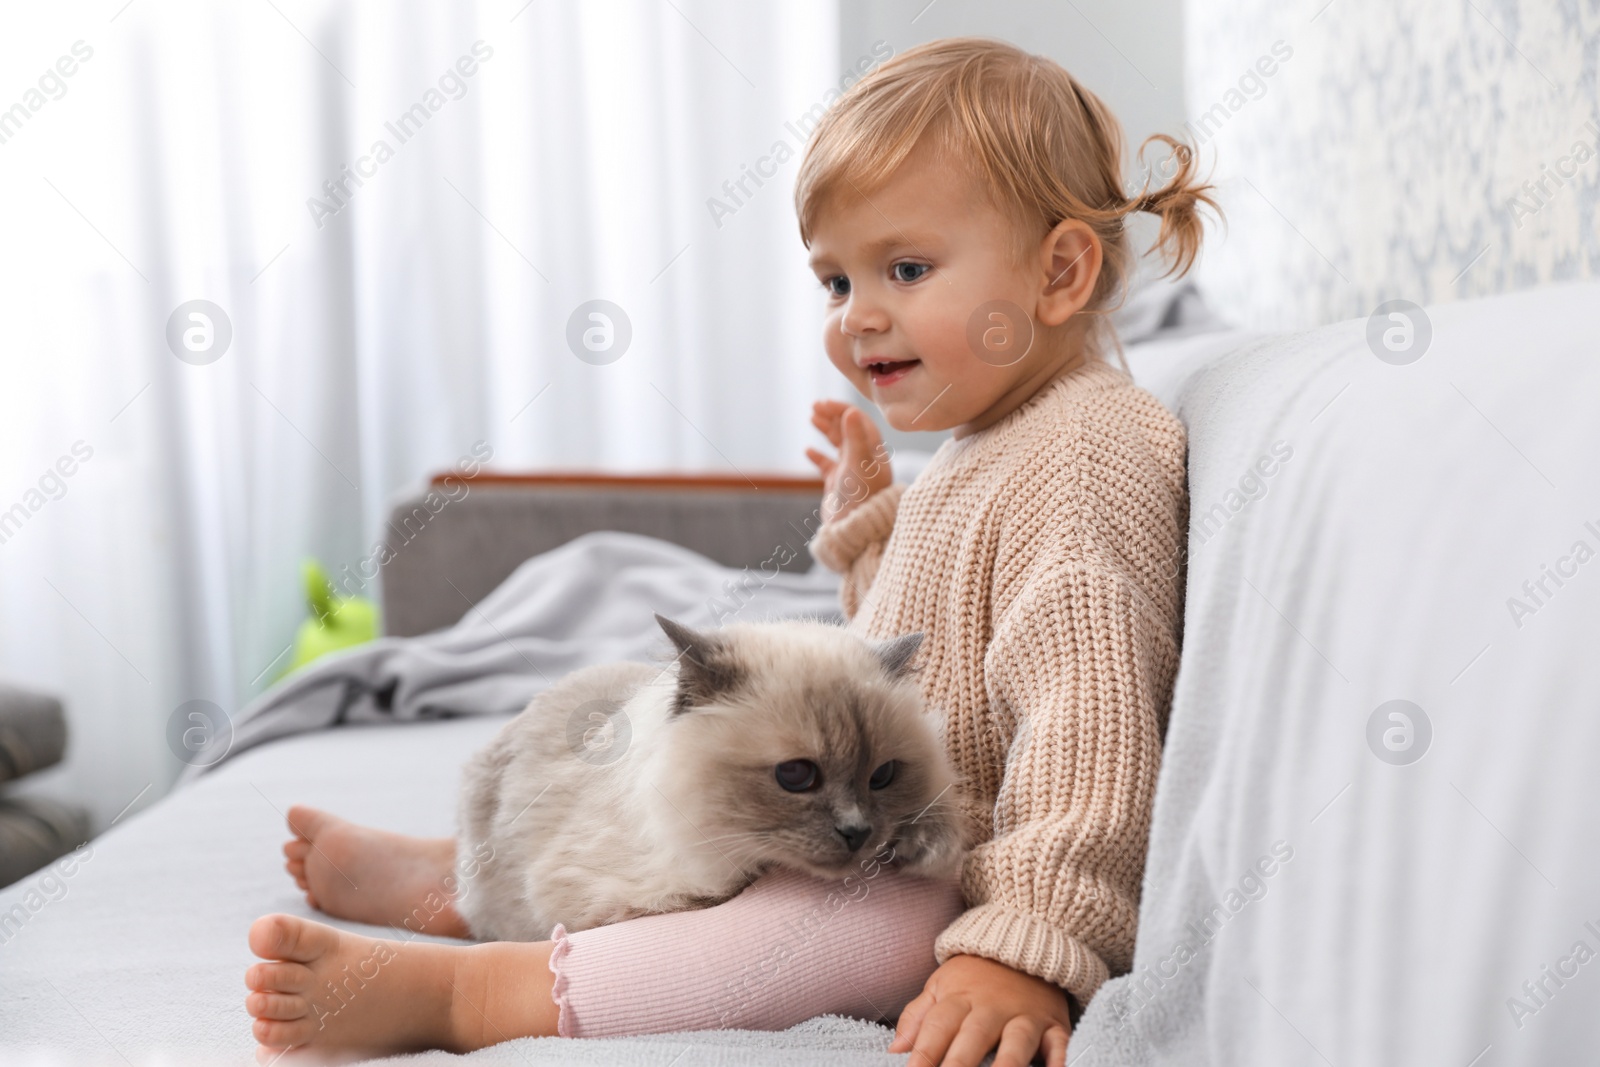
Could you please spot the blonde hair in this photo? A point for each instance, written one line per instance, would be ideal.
(1046, 148)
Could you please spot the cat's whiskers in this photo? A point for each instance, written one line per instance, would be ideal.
(932, 802)
(757, 846)
(735, 836)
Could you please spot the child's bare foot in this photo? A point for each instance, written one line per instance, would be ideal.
(373, 876)
(331, 990)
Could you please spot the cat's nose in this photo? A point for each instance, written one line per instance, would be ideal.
(854, 836)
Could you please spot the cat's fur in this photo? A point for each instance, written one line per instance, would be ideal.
(629, 789)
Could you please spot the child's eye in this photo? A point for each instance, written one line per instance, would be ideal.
(838, 285)
(909, 272)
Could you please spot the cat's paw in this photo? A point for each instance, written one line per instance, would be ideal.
(933, 845)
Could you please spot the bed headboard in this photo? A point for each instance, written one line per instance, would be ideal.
(454, 542)
(1428, 150)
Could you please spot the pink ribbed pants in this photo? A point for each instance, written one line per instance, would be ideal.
(787, 948)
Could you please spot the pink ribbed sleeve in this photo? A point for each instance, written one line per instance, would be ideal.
(787, 948)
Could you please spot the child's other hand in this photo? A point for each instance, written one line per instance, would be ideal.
(969, 1004)
(862, 466)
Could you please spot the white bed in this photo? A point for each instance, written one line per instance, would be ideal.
(156, 914)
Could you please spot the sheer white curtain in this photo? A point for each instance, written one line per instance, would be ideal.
(535, 156)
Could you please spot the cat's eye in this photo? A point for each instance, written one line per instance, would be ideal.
(797, 775)
(883, 775)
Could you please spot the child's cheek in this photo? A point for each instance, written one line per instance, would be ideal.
(838, 347)
(940, 338)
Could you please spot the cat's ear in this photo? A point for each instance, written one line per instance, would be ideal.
(895, 655)
(704, 672)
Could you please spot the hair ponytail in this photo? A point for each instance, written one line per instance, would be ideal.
(1177, 203)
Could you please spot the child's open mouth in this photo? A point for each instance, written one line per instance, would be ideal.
(890, 371)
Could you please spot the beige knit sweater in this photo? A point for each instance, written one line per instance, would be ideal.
(1042, 559)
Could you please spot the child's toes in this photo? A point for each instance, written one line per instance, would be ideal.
(278, 977)
(296, 850)
(284, 1007)
(297, 871)
(308, 822)
(284, 937)
(277, 1033)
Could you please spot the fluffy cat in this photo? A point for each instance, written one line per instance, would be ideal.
(628, 789)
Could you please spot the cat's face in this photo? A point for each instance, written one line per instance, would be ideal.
(800, 745)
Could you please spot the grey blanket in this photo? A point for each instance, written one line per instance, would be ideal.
(591, 601)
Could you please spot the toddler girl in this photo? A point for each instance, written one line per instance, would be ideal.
(964, 210)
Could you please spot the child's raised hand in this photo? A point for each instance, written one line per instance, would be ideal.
(862, 466)
(970, 1004)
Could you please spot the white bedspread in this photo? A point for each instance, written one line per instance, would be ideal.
(1374, 564)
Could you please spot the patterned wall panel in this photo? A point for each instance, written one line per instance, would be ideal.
(1368, 150)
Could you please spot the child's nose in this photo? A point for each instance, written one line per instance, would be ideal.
(863, 316)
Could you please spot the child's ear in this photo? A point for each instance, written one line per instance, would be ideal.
(1069, 259)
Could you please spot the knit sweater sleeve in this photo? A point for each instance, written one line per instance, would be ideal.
(852, 546)
(1080, 666)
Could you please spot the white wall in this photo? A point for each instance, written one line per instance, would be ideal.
(1129, 53)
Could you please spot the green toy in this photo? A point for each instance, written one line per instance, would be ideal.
(337, 622)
